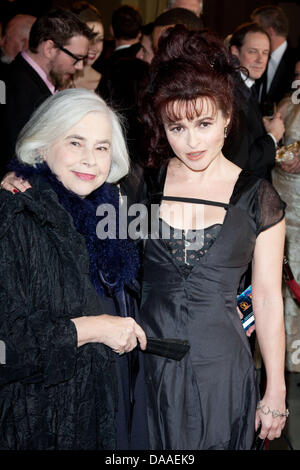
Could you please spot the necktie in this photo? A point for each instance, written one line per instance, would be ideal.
(254, 93)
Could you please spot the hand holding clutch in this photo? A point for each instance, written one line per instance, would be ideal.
(170, 348)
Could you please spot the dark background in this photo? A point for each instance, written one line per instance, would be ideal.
(221, 16)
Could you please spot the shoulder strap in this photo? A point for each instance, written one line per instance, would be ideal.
(195, 201)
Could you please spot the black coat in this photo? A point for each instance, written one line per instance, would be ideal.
(282, 80)
(53, 395)
(25, 91)
(248, 144)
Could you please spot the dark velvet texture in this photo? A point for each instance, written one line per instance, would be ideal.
(53, 395)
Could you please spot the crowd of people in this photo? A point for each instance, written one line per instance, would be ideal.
(173, 119)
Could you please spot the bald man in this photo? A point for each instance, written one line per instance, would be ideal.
(194, 5)
(15, 37)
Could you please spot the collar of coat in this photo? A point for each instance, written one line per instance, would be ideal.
(114, 262)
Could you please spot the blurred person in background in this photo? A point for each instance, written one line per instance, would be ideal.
(14, 40)
(194, 5)
(126, 27)
(88, 77)
(277, 79)
(252, 142)
(123, 74)
(15, 37)
(146, 52)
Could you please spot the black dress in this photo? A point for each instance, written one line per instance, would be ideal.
(208, 399)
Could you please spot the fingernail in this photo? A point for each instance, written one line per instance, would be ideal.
(15, 191)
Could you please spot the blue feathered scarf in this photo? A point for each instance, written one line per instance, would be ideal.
(113, 262)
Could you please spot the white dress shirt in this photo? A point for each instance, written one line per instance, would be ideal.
(249, 82)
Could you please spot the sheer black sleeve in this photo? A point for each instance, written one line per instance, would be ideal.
(270, 207)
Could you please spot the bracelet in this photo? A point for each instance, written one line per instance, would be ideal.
(275, 413)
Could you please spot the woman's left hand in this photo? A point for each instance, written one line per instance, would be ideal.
(14, 184)
(293, 166)
(271, 425)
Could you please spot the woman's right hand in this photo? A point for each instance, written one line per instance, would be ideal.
(251, 328)
(119, 333)
(293, 166)
(14, 184)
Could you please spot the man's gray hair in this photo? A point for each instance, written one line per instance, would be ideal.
(58, 114)
(174, 4)
(171, 3)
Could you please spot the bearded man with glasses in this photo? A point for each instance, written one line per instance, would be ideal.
(58, 45)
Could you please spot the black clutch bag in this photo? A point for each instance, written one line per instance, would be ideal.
(170, 348)
(258, 443)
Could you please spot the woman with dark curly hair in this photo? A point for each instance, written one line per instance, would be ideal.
(214, 218)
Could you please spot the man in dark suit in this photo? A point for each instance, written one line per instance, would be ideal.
(276, 81)
(58, 44)
(251, 143)
(126, 26)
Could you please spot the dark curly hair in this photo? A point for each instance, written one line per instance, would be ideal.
(188, 65)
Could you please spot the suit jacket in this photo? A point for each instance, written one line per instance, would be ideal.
(4, 69)
(109, 64)
(248, 145)
(282, 80)
(25, 91)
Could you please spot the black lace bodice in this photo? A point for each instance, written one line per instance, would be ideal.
(188, 247)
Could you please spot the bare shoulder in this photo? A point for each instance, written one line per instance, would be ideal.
(231, 170)
(89, 80)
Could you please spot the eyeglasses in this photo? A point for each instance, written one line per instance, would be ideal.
(69, 53)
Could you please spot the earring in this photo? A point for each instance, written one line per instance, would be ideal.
(225, 131)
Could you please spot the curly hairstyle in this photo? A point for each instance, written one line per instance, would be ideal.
(188, 65)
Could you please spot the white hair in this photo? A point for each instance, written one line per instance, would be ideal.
(57, 115)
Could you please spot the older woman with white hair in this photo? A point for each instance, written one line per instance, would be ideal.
(67, 299)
